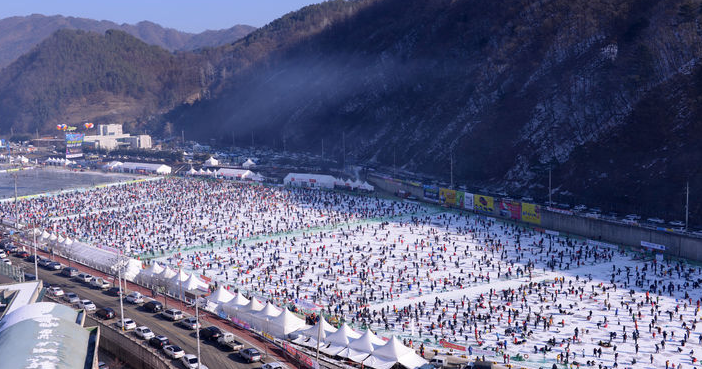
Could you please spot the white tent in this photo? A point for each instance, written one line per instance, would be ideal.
(248, 164)
(45, 236)
(360, 348)
(177, 284)
(200, 172)
(164, 277)
(313, 332)
(103, 259)
(220, 296)
(60, 239)
(68, 242)
(259, 319)
(308, 180)
(192, 171)
(338, 340)
(366, 187)
(284, 324)
(232, 307)
(195, 283)
(146, 275)
(246, 312)
(53, 238)
(211, 162)
(394, 352)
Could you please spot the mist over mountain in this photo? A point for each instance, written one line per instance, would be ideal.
(19, 34)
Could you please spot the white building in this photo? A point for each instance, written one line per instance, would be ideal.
(307, 180)
(143, 168)
(239, 174)
(248, 164)
(211, 162)
(110, 137)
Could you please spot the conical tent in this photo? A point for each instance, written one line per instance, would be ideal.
(251, 308)
(177, 284)
(391, 353)
(269, 312)
(313, 333)
(45, 235)
(147, 275)
(338, 340)
(164, 277)
(53, 238)
(220, 296)
(232, 307)
(284, 324)
(194, 283)
(360, 348)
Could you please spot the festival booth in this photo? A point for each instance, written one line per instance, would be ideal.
(101, 259)
(176, 284)
(146, 276)
(246, 312)
(192, 172)
(284, 324)
(306, 180)
(232, 307)
(239, 174)
(394, 352)
(162, 279)
(358, 349)
(261, 319)
(308, 337)
(248, 164)
(219, 297)
(338, 340)
(211, 162)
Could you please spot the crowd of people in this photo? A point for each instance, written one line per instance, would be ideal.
(428, 275)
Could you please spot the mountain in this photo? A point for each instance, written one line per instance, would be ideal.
(77, 76)
(605, 93)
(19, 34)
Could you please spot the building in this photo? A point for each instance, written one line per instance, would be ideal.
(248, 164)
(110, 137)
(307, 180)
(239, 174)
(43, 334)
(139, 168)
(211, 162)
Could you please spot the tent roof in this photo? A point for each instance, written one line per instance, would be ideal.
(269, 311)
(287, 322)
(394, 352)
(342, 336)
(314, 330)
(221, 295)
(253, 305)
(367, 342)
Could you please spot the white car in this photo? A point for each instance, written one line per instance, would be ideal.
(273, 365)
(656, 220)
(86, 305)
(190, 362)
(55, 291)
(7, 261)
(173, 351)
(3, 254)
(677, 223)
(134, 298)
(144, 332)
(127, 323)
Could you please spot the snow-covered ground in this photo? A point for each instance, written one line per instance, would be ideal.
(415, 271)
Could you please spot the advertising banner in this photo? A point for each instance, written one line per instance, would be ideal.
(431, 194)
(531, 213)
(468, 201)
(559, 211)
(485, 204)
(601, 244)
(515, 210)
(460, 199)
(653, 246)
(74, 145)
(451, 345)
(447, 197)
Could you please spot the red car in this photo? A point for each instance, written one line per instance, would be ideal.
(22, 254)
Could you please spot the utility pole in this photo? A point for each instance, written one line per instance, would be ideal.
(182, 136)
(319, 336)
(549, 187)
(252, 140)
(394, 168)
(687, 204)
(343, 148)
(197, 330)
(119, 280)
(36, 267)
(451, 160)
(322, 148)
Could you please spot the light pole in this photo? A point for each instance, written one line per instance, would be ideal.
(197, 331)
(36, 267)
(119, 280)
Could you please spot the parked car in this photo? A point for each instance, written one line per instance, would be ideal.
(21, 254)
(31, 258)
(191, 362)
(159, 341)
(273, 365)
(7, 261)
(211, 333)
(3, 254)
(134, 298)
(113, 291)
(83, 277)
(71, 298)
(102, 365)
(172, 314)
(144, 332)
(189, 323)
(439, 361)
(173, 351)
(656, 220)
(153, 306)
(228, 341)
(105, 313)
(55, 291)
(70, 272)
(97, 282)
(86, 305)
(54, 265)
(127, 324)
(677, 223)
(44, 262)
(250, 354)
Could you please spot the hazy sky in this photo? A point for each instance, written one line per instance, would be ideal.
(183, 15)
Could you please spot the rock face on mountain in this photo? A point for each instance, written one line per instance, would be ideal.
(19, 34)
(508, 89)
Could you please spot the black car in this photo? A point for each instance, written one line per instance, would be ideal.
(153, 306)
(159, 341)
(22, 254)
(113, 291)
(31, 258)
(70, 272)
(105, 313)
(211, 333)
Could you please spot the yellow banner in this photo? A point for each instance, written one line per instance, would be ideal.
(447, 197)
(485, 204)
(531, 213)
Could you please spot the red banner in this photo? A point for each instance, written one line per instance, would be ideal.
(299, 355)
(450, 345)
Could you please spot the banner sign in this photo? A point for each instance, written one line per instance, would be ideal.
(652, 245)
(298, 355)
(447, 197)
(468, 201)
(552, 233)
(431, 193)
(601, 244)
(510, 209)
(559, 211)
(460, 199)
(485, 204)
(450, 345)
(74, 145)
(240, 323)
(531, 213)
